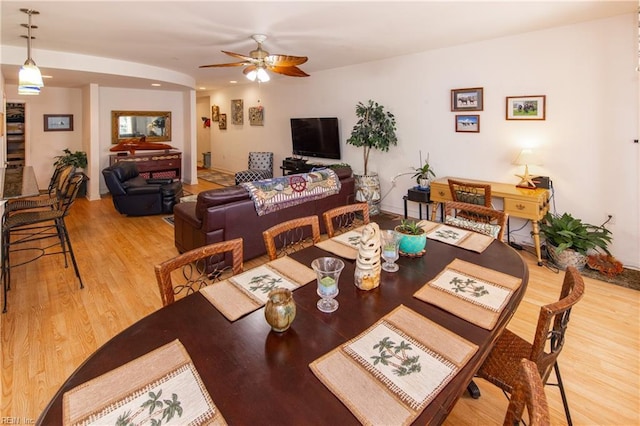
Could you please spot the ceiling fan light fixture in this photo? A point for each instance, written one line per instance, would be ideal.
(259, 74)
(28, 90)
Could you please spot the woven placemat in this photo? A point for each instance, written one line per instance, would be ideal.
(463, 238)
(124, 395)
(246, 292)
(344, 245)
(389, 373)
(471, 292)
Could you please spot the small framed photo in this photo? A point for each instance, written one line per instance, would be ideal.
(222, 122)
(526, 107)
(215, 113)
(256, 116)
(58, 122)
(468, 123)
(467, 99)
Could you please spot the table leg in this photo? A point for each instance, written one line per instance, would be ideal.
(405, 206)
(536, 240)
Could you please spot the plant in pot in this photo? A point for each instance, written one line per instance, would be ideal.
(76, 159)
(375, 129)
(413, 238)
(569, 240)
(422, 175)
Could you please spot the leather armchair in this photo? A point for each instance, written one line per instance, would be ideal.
(134, 195)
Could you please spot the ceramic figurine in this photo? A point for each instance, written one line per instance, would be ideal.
(367, 275)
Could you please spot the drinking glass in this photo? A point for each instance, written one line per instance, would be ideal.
(390, 243)
(328, 272)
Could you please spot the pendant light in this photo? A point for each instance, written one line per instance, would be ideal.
(29, 78)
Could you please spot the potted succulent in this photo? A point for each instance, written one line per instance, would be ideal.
(413, 238)
(569, 240)
(375, 129)
(423, 175)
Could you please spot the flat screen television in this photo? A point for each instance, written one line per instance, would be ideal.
(316, 137)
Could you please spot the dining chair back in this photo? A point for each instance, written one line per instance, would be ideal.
(528, 391)
(476, 218)
(290, 236)
(344, 218)
(470, 192)
(198, 268)
(501, 366)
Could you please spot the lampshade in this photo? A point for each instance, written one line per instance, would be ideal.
(260, 74)
(527, 157)
(29, 77)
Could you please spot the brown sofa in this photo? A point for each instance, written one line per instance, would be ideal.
(227, 213)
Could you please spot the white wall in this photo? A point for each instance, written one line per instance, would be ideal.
(42, 147)
(587, 72)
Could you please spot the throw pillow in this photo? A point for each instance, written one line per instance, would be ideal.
(483, 228)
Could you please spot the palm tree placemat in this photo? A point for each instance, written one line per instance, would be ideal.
(389, 373)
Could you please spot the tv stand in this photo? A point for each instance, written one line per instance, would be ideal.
(291, 166)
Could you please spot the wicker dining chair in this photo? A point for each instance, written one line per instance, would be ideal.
(476, 218)
(470, 192)
(198, 268)
(528, 391)
(502, 364)
(345, 218)
(290, 236)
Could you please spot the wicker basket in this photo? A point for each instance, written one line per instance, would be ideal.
(566, 258)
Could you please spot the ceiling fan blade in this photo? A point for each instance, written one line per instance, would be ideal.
(233, 64)
(290, 71)
(285, 60)
(239, 56)
(248, 69)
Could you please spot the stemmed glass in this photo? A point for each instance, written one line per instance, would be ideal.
(328, 272)
(390, 244)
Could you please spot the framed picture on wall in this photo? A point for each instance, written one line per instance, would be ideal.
(467, 99)
(256, 116)
(215, 113)
(58, 122)
(237, 116)
(468, 123)
(526, 107)
(222, 122)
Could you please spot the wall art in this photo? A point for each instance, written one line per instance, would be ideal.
(222, 122)
(468, 123)
(215, 113)
(237, 116)
(531, 107)
(467, 99)
(58, 122)
(256, 116)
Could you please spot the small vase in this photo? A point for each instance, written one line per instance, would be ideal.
(280, 309)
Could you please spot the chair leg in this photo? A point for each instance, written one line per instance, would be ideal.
(556, 368)
(473, 390)
(73, 258)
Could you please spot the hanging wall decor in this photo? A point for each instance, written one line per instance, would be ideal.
(215, 113)
(256, 116)
(237, 116)
(222, 122)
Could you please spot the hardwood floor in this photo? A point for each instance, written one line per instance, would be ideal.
(51, 325)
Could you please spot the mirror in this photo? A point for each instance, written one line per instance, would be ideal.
(155, 125)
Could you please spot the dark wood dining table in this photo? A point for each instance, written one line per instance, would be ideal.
(257, 376)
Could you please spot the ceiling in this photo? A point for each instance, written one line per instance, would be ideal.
(181, 35)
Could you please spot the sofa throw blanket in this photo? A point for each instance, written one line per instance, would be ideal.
(270, 195)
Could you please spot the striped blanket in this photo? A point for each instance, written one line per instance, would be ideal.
(270, 195)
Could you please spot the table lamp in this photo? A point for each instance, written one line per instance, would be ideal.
(525, 157)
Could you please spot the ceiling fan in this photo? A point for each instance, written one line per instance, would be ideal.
(259, 60)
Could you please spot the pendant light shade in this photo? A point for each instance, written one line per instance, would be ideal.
(29, 78)
(259, 74)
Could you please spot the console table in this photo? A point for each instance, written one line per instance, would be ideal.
(420, 197)
(292, 167)
(524, 203)
(154, 164)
